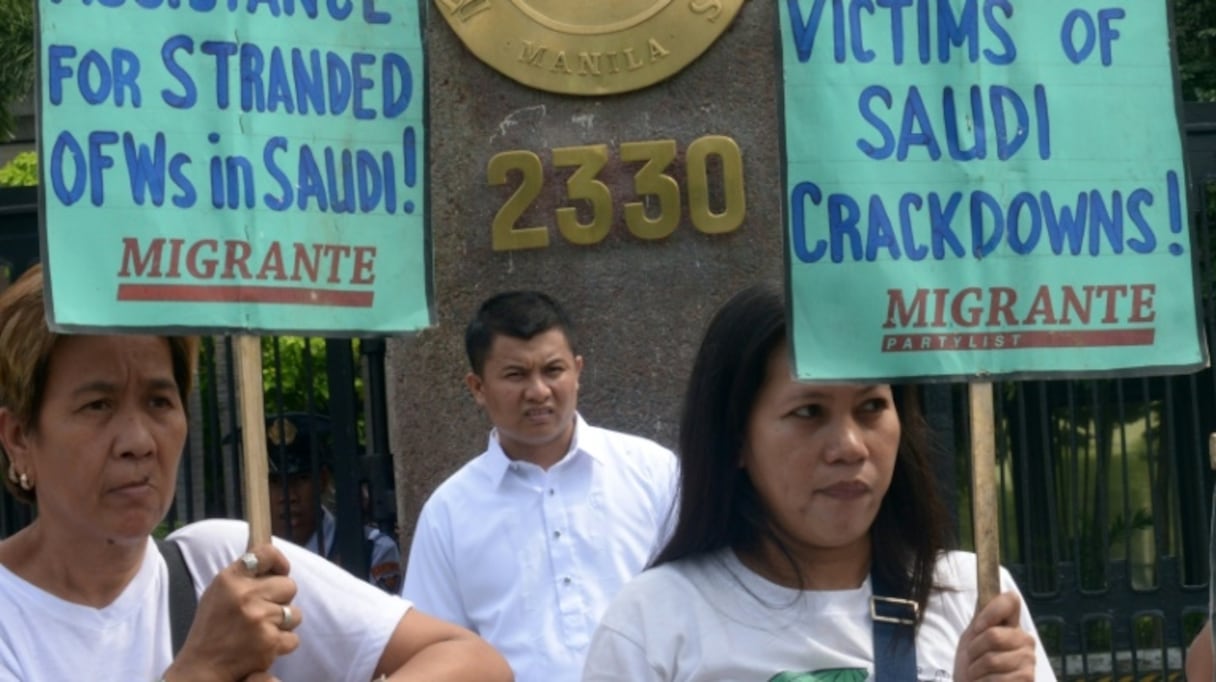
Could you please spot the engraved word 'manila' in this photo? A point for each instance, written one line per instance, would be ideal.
(591, 63)
(465, 9)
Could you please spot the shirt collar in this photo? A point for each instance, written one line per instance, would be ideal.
(586, 441)
(327, 531)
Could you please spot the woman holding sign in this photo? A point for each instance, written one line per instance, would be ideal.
(810, 541)
(92, 429)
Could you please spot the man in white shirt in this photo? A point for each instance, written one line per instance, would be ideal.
(527, 543)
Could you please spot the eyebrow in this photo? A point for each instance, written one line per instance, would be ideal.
(163, 384)
(515, 363)
(94, 387)
(103, 386)
(816, 390)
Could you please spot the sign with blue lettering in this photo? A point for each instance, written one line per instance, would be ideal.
(984, 187)
(234, 165)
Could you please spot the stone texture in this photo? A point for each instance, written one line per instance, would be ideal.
(639, 307)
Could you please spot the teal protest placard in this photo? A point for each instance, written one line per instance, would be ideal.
(984, 187)
(234, 165)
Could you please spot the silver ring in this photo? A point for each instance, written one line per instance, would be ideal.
(250, 560)
(287, 618)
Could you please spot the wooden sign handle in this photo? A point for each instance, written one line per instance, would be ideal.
(253, 437)
(1212, 450)
(984, 492)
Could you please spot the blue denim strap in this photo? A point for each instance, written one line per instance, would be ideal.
(894, 627)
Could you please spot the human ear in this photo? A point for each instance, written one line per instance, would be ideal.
(475, 385)
(15, 439)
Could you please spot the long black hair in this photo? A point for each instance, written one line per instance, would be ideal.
(718, 505)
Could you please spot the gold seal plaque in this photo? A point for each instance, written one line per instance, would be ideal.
(588, 47)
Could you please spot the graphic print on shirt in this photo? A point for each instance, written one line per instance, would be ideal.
(826, 675)
(848, 675)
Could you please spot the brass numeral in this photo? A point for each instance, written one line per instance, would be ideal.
(652, 180)
(699, 211)
(654, 215)
(504, 235)
(589, 161)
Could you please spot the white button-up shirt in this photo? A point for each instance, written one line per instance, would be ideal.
(528, 558)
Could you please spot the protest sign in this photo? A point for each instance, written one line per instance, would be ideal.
(234, 165)
(984, 187)
(977, 188)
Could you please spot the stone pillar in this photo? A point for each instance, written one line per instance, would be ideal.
(639, 306)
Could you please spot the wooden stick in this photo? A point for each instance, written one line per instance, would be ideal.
(984, 492)
(253, 437)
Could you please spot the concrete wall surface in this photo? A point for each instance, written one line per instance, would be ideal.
(639, 306)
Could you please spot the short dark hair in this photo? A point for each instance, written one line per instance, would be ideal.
(518, 314)
(720, 508)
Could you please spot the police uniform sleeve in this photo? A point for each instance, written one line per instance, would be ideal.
(384, 564)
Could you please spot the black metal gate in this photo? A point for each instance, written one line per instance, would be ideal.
(1106, 488)
(342, 381)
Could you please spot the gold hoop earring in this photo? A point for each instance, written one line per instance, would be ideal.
(24, 482)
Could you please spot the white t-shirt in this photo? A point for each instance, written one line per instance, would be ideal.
(712, 619)
(46, 639)
(530, 558)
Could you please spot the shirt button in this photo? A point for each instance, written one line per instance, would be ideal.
(552, 492)
(557, 534)
(566, 580)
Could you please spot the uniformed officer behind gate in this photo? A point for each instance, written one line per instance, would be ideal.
(297, 497)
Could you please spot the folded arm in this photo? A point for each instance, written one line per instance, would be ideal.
(427, 649)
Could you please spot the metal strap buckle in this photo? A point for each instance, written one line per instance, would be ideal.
(906, 605)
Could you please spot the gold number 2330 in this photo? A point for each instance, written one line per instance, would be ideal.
(650, 181)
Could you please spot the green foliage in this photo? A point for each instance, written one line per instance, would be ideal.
(1195, 35)
(295, 377)
(293, 372)
(21, 171)
(16, 57)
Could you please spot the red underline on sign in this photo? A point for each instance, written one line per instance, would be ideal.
(201, 293)
(1014, 340)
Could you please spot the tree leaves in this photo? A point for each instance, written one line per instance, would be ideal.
(1195, 35)
(16, 58)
